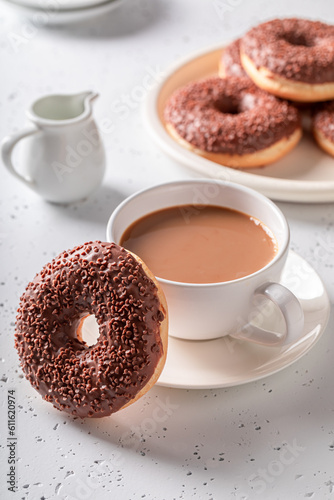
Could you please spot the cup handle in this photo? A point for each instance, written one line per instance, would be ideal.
(7, 146)
(292, 313)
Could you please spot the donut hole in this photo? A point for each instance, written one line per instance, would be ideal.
(228, 106)
(88, 330)
(298, 39)
(235, 107)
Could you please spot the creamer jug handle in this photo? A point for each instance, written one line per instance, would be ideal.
(7, 146)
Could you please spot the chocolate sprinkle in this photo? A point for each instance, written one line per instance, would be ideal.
(101, 279)
(230, 116)
(295, 49)
(323, 119)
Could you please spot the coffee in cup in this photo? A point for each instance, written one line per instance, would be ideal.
(200, 243)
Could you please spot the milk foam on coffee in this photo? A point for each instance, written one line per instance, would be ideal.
(201, 244)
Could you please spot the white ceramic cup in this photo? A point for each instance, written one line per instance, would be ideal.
(211, 310)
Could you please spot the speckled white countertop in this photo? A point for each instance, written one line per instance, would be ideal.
(271, 439)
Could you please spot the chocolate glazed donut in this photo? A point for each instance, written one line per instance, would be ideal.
(232, 122)
(230, 62)
(105, 280)
(291, 58)
(323, 126)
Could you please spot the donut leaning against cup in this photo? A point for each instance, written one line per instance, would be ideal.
(105, 280)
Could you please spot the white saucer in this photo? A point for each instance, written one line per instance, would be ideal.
(228, 362)
(49, 17)
(306, 174)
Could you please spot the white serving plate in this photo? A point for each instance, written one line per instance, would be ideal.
(304, 175)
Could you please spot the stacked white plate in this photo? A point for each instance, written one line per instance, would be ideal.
(50, 12)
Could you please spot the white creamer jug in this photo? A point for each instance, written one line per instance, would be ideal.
(63, 155)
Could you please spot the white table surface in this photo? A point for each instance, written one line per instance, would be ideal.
(208, 444)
